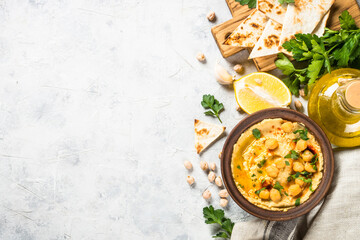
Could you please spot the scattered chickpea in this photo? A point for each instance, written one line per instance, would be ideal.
(238, 68)
(301, 145)
(211, 16)
(223, 202)
(206, 194)
(271, 143)
(302, 93)
(307, 156)
(298, 105)
(200, 57)
(264, 194)
(212, 166)
(258, 81)
(294, 190)
(272, 171)
(299, 182)
(204, 165)
(309, 168)
(298, 167)
(211, 176)
(280, 163)
(220, 155)
(218, 181)
(223, 193)
(275, 195)
(287, 127)
(190, 180)
(188, 165)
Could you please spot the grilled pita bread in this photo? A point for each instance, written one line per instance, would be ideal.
(320, 28)
(303, 17)
(205, 134)
(269, 41)
(249, 31)
(272, 9)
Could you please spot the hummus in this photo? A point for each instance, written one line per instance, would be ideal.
(277, 164)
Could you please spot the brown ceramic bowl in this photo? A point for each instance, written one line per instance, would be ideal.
(293, 116)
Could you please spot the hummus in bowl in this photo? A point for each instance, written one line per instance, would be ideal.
(277, 164)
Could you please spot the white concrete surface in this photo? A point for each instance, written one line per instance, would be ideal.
(97, 102)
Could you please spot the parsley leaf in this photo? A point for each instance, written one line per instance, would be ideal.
(238, 167)
(262, 163)
(256, 132)
(297, 202)
(347, 22)
(217, 216)
(250, 3)
(209, 102)
(293, 154)
(278, 187)
(287, 163)
(314, 160)
(286, 1)
(258, 191)
(302, 133)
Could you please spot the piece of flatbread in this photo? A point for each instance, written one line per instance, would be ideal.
(272, 9)
(320, 28)
(249, 31)
(269, 41)
(303, 16)
(205, 134)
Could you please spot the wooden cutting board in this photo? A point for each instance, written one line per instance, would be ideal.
(239, 13)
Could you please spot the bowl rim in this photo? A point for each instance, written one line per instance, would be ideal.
(290, 115)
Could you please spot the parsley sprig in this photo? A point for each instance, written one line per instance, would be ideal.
(302, 133)
(217, 216)
(209, 102)
(335, 49)
(293, 154)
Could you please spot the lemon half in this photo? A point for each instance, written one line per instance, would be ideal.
(260, 90)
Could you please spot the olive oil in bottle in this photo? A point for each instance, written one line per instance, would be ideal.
(334, 104)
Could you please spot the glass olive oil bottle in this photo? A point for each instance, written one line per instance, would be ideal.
(334, 104)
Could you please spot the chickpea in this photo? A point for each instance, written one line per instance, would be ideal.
(275, 195)
(238, 68)
(272, 171)
(200, 57)
(307, 156)
(206, 194)
(223, 193)
(223, 202)
(212, 166)
(271, 143)
(299, 182)
(298, 167)
(211, 176)
(220, 155)
(190, 180)
(218, 181)
(287, 127)
(211, 16)
(280, 163)
(264, 194)
(301, 145)
(294, 190)
(188, 165)
(309, 168)
(204, 165)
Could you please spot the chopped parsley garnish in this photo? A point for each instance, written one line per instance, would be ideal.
(310, 188)
(254, 185)
(242, 186)
(289, 178)
(262, 181)
(256, 132)
(293, 154)
(297, 202)
(296, 140)
(278, 187)
(258, 191)
(305, 173)
(303, 134)
(238, 167)
(314, 160)
(253, 175)
(262, 163)
(286, 194)
(259, 171)
(287, 163)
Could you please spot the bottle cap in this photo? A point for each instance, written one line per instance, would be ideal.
(352, 94)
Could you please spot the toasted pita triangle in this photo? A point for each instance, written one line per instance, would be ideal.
(303, 17)
(269, 41)
(272, 9)
(249, 31)
(205, 134)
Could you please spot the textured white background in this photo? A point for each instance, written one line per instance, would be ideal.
(97, 102)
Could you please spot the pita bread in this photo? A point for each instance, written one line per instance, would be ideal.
(205, 134)
(272, 9)
(269, 41)
(249, 31)
(320, 28)
(303, 17)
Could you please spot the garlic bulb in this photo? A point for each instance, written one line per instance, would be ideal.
(222, 76)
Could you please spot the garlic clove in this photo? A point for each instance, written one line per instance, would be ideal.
(222, 76)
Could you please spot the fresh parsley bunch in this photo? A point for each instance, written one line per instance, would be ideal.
(217, 216)
(252, 3)
(335, 49)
